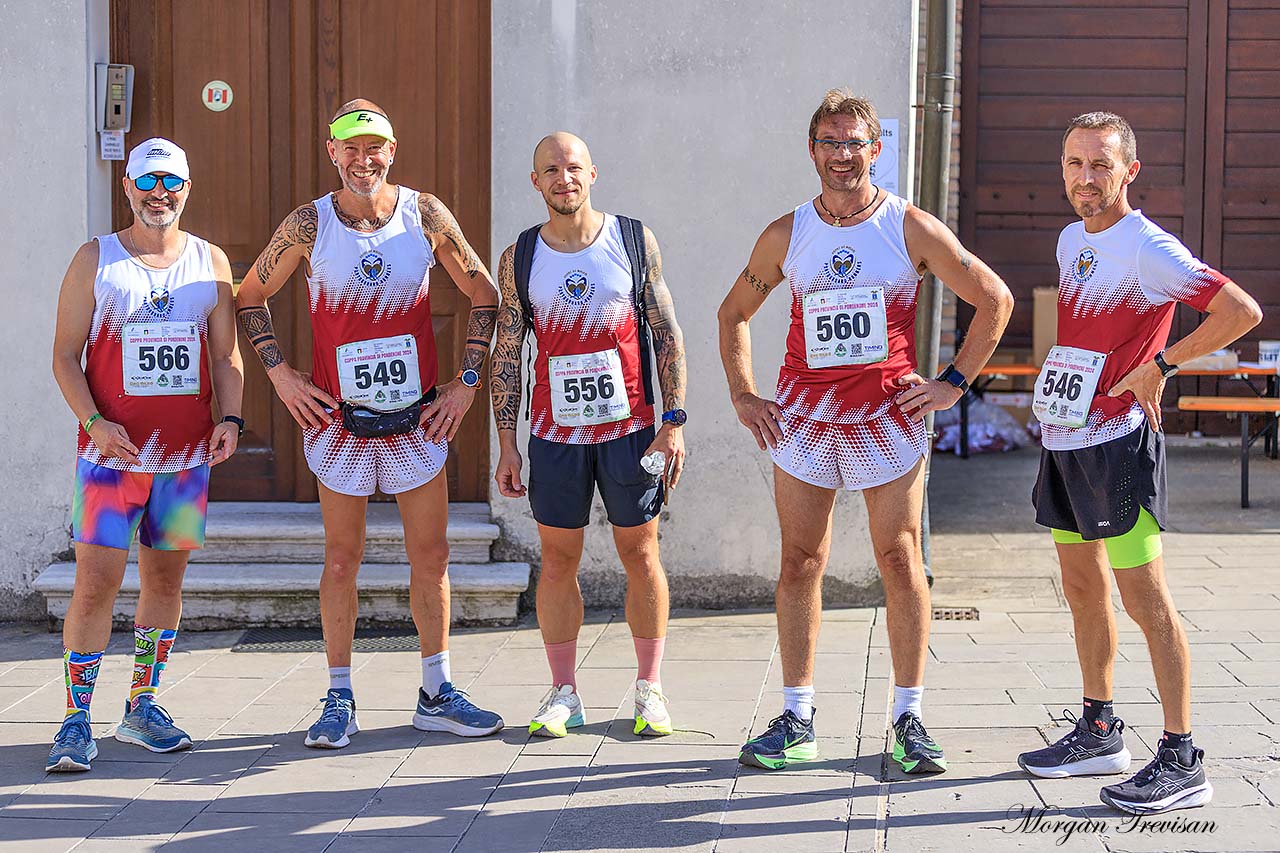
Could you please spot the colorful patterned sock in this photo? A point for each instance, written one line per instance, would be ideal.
(80, 670)
(150, 654)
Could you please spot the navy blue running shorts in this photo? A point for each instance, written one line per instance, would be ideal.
(563, 478)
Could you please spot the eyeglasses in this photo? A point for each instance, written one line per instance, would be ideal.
(146, 183)
(831, 146)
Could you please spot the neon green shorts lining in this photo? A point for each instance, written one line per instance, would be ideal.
(1138, 547)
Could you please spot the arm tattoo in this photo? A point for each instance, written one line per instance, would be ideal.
(479, 333)
(966, 260)
(256, 322)
(504, 373)
(298, 229)
(668, 340)
(436, 219)
(756, 282)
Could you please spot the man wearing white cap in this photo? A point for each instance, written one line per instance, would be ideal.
(150, 309)
(371, 411)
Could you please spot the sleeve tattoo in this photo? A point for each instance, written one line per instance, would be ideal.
(436, 219)
(668, 340)
(504, 380)
(256, 322)
(298, 229)
(479, 334)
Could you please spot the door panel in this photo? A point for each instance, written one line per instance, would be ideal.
(290, 65)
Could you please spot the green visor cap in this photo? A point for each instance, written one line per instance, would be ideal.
(361, 123)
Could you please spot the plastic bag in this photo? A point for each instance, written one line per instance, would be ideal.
(991, 429)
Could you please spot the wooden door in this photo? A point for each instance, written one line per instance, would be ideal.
(1242, 169)
(1028, 67)
(290, 65)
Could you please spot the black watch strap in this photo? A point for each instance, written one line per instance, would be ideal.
(1166, 369)
(955, 377)
(232, 419)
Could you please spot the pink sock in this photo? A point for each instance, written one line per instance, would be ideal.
(563, 657)
(649, 658)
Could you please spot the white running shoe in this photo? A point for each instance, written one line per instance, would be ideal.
(652, 719)
(561, 710)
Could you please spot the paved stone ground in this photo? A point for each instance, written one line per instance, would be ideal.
(995, 687)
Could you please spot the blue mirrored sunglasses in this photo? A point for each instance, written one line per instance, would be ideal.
(146, 183)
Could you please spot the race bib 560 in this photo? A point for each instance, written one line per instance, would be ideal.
(845, 327)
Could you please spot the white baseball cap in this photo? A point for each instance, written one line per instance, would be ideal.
(157, 154)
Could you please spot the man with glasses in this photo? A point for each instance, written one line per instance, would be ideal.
(580, 283)
(850, 406)
(371, 413)
(153, 306)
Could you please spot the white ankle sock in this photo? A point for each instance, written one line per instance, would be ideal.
(799, 701)
(339, 677)
(907, 699)
(435, 672)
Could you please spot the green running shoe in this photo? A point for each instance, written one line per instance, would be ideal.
(914, 749)
(788, 740)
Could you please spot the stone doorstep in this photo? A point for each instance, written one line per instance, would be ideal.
(217, 596)
(278, 532)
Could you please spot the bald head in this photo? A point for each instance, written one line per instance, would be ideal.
(563, 172)
(358, 104)
(560, 146)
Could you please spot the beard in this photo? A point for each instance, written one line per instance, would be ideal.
(157, 218)
(1086, 208)
(565, 208)
(365, 187)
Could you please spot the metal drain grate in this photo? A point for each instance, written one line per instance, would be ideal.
(955, 614)
(312, 640)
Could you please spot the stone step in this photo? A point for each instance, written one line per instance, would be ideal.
(266, 532)
(218, 596)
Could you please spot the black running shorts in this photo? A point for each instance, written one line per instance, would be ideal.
(1097, 491)
(563, 478)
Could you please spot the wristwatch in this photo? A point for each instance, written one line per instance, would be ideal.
(470, 377)
(232, 419)
(675, 417)
(1166, 369)
(955, 377)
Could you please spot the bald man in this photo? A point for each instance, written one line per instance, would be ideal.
(372, 413)
(589, 285)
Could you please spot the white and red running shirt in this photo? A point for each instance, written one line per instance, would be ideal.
(856, 260)
(582, 305)
(146, 360)
(372, 287)
(1117, 291)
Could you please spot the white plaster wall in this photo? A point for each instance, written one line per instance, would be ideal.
(47, 50)
(696, 114)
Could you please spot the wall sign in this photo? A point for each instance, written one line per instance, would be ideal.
(216, 95)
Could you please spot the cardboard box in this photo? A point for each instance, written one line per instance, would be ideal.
(1222, 359)
(1016, 403)
(1044, 321)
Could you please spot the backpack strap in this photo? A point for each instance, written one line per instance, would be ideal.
(523, 266)
(633, 243)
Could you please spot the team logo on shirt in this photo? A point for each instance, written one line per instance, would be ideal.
(844, 264)
(1086, 263)
(373, 267)
(577, 289)
(160, 301)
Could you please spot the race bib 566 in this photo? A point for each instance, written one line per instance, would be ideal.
(161, 359)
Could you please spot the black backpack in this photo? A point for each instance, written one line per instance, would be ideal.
(633, 243)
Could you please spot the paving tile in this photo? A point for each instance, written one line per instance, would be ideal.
(43, 835)
(1254, 673)
(760, 822)
(98, 795)
(217, 832)
(1203, 673)
(439, 754)
(350, 781)
(159, 812)
(418, 806)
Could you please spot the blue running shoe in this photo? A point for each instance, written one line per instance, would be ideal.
(788, 740)
(146, 724)
(337, 721)
(73, 746)
(452, 711)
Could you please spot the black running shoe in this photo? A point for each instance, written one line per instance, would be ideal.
(1083, 751)
(788, 740)
(914, 749)
(1164, 784)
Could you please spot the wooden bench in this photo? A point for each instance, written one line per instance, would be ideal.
(1269, 407)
